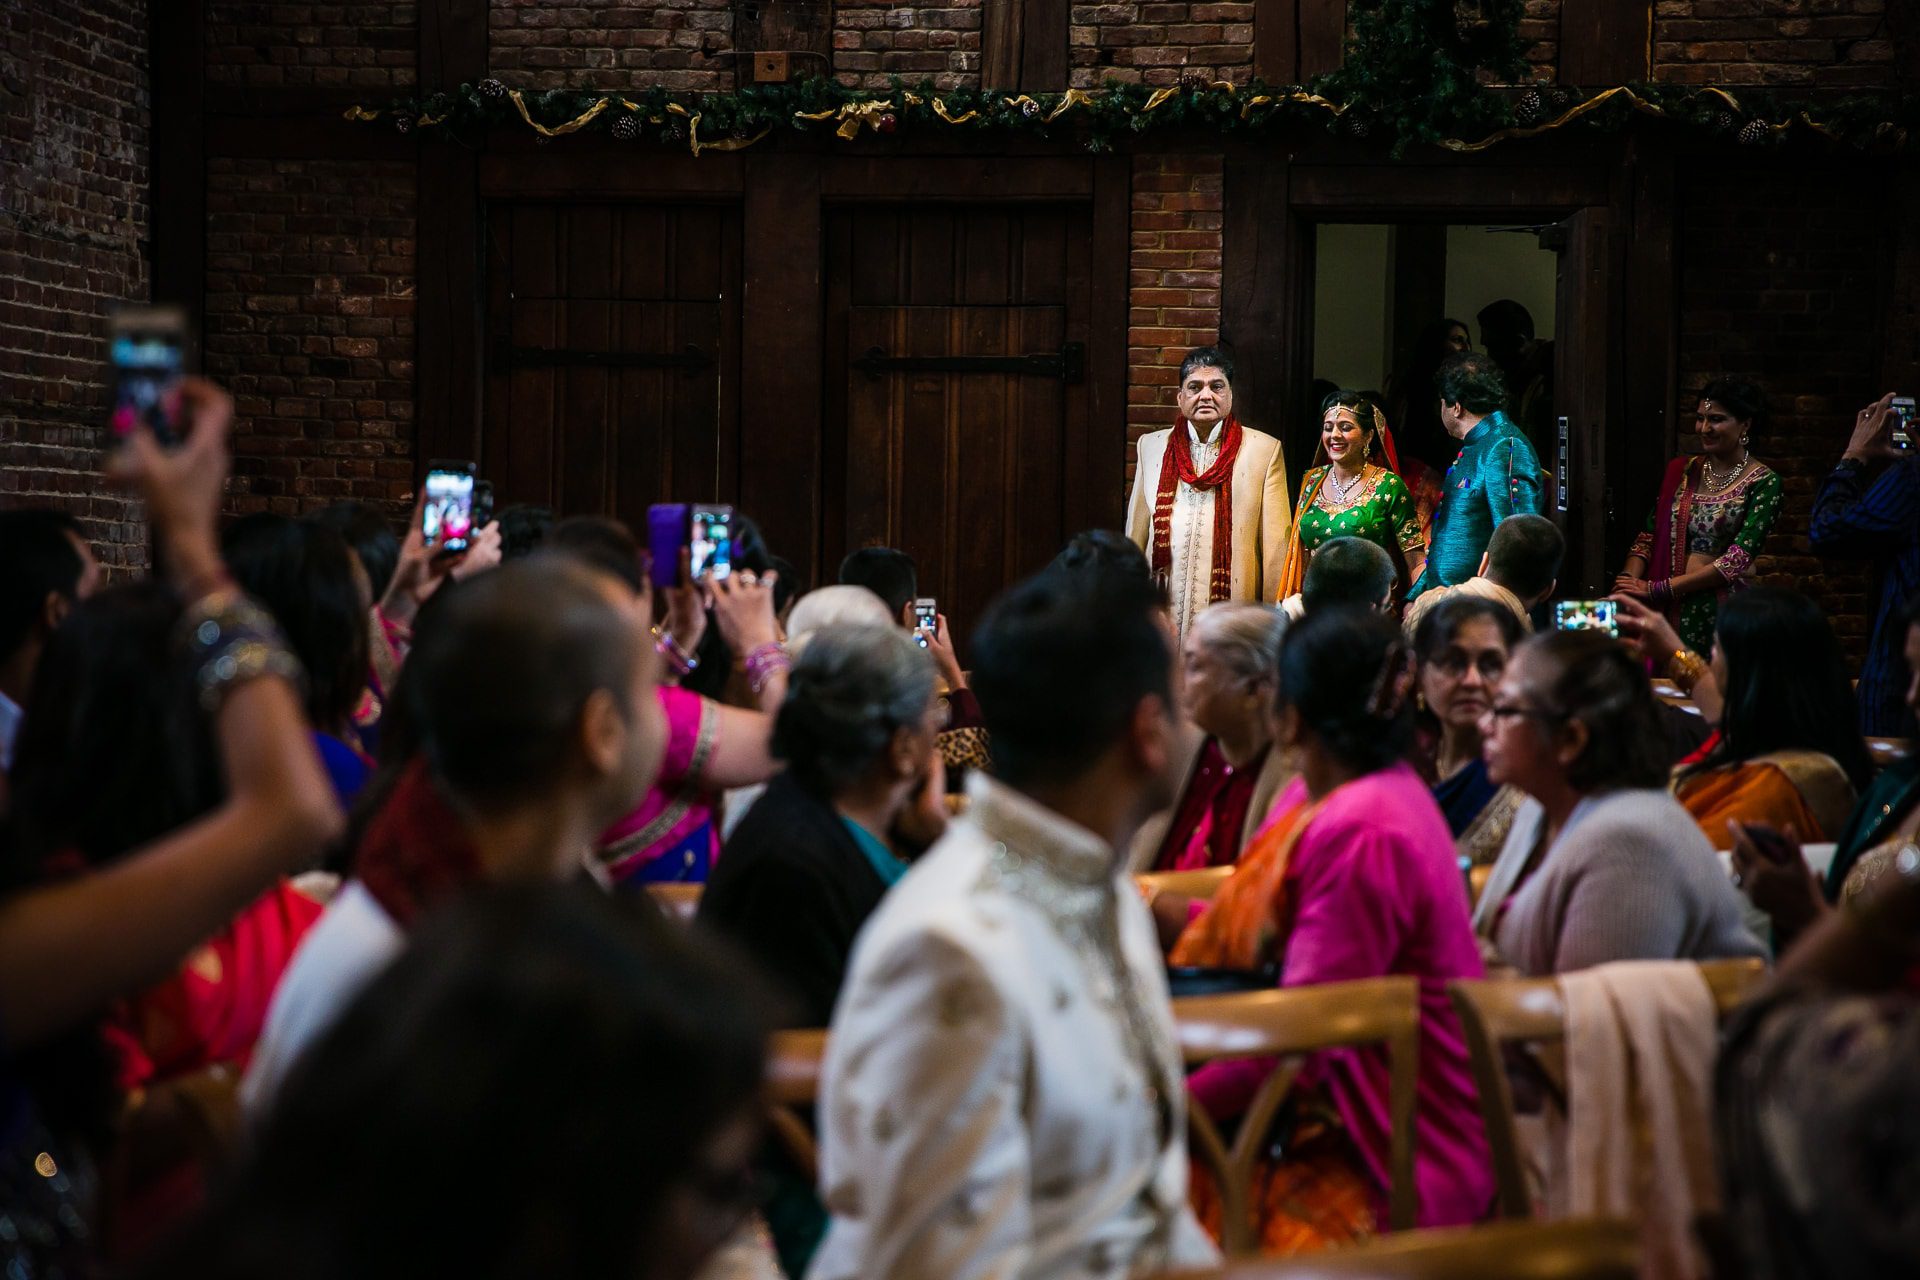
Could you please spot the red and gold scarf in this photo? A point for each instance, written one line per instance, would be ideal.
(1177, 469)
(416, 852)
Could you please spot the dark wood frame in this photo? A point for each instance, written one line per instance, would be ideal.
(1273, 205)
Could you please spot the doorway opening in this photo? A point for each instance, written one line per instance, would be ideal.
(1393, 300)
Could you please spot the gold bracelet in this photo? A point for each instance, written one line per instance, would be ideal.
(1685, 668)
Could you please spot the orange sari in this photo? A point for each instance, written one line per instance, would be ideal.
(1804, 790)
(1318, 1196)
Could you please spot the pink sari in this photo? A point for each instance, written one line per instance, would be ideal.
(672, 835)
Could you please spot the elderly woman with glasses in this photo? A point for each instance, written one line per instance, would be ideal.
(1602, 863)
(1463, 645)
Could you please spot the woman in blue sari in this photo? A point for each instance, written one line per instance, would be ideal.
(1462, 645)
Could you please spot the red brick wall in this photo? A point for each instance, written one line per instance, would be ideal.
(610, 44)
(310, 325)
(1824, 44)
(1780, 283)
(280, 45)
(73, 213)
(1157, 44)
(875, 40)
(1174, 281)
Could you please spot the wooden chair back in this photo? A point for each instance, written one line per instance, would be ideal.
(679, 901)
(1290, 1023)
(1594, 1249)
(1495, 1012)
(793, 1081)
(1200, 885)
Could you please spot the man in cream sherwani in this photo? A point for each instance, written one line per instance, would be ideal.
(1210, 505)
(1003, 1096)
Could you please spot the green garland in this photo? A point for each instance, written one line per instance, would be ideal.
(1414, 73)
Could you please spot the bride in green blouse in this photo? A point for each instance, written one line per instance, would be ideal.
(1354, 492)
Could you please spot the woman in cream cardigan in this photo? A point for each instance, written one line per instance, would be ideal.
(1602, 863)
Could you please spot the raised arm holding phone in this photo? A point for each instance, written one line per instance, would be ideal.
(66, 949)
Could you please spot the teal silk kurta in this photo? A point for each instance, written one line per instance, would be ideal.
(1495, 476)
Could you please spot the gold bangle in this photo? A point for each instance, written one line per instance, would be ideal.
(1685, 668)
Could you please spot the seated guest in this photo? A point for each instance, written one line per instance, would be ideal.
(672, 836)
(1002, 1093)
(862, 794)
(1354, 878)
(305, 575)
(1814, 1110)
(46, 568)
(1227, 691)
(813, 858)
(889, 574)
(530, 698)
(419, 1137)
(1345, 571)
(523, 529)
(1463, 644)
(1519, 571)
(1786, 750)
(1602, 863)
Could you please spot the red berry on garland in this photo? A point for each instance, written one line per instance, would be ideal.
(887, 122)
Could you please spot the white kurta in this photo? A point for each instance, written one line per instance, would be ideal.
(1003, 1095)
(1262, 518)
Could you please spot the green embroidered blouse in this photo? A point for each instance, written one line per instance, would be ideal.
(1383, 514)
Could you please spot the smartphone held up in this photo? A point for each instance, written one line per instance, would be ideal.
(926, 620)
(446, 517)
(1901, 423)
(702, 530)
(147, 352)
(1587, 615)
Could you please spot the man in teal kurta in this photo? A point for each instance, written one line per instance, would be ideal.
(1496, 475)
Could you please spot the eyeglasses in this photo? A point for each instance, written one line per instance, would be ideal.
(1491, 664)
(1499, 713)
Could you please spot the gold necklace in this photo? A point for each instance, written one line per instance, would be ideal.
(1716, 481)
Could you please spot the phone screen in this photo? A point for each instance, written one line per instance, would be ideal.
(447, 518)
(148, 351)
(711, 542)
(1903, 415)
(1587, 615)
(926, 620)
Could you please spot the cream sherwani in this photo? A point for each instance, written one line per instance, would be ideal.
(1002, 1095)
(1262, 518)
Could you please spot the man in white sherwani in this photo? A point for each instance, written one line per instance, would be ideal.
(1210, 505)
(1003, 1096)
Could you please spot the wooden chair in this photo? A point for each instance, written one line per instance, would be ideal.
(1886, 751)
(1288, 1024)
(1202, 884)
(793, 1081)
(1596, 1249)
(679, 901)
(1495, 1012)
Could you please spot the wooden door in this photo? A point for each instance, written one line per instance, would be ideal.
(612, 353)
(956, 390)
(1586, 451)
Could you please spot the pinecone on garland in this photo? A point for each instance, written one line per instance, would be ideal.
(403, 123)
(1529, 109)
(1755, 133)
(1192, 83)
(677, 129)
(626, 128)
(492, 88)
(1357, 124)
(1724, 122)
(1029, 108)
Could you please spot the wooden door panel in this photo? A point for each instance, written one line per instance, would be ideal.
(613, 334)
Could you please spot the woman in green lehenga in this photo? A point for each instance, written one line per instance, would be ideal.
(1354, 491)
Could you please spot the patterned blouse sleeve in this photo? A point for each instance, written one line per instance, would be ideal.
(1403, 518)
(1763, 507)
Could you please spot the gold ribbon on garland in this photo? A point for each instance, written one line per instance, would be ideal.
(1311, 99)
(853, 116)
(1070, 99)
(580, 121)
(1568, 116)
(940, 109)
(362, 115)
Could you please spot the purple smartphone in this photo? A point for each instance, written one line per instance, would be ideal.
(667, 526)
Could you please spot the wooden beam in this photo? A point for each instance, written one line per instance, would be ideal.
(177, 169)
(782, 309)
(896, 178)
(1097, 472)
(1266, 301)
(450, 306)
(1023, 45)
(1460, 191)
(1606, 42)
(1296, 40)
(583, 169)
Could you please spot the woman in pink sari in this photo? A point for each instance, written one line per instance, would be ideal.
(1354, 878)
